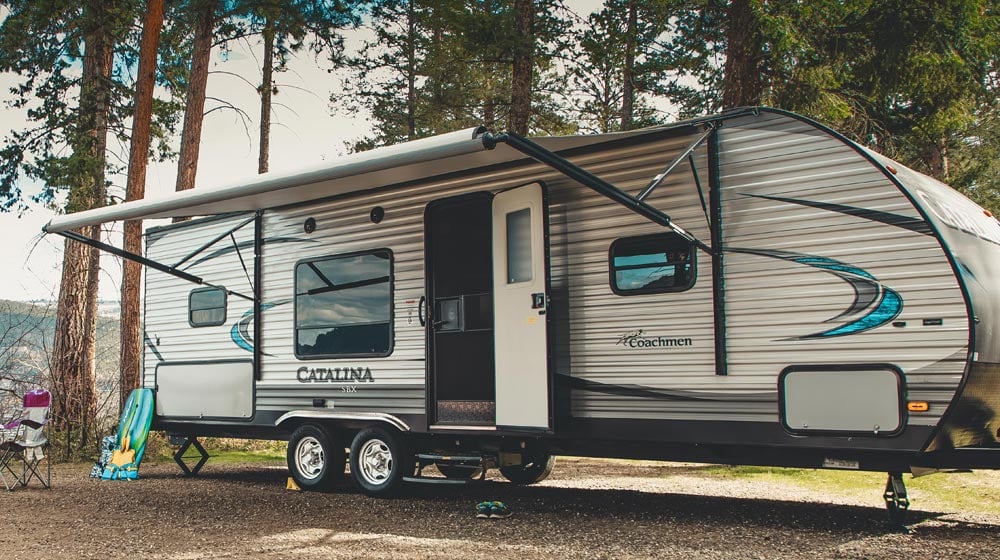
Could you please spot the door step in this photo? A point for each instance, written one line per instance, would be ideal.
(474, 465)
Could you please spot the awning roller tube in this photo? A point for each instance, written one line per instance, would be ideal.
(175, 205)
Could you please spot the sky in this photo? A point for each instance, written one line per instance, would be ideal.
(303, 133)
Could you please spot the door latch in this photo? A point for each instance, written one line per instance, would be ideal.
(538, 301)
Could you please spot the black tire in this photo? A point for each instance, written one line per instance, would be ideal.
(315, 458)
(529, 473)
(458, 472)
(379, 461)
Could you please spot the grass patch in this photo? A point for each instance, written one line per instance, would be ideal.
(244, 456)
(224, 450)
(977, 492)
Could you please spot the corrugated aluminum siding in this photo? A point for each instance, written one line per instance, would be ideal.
(583, 225)
(166, 298)
(772, 302)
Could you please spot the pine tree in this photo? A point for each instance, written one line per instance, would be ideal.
(205, 13)
(288, 27)
(617, 65)
(41, 42)
(130, 334)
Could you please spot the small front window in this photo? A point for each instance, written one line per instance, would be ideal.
(343, 305)
(207, 307)
(652, 264)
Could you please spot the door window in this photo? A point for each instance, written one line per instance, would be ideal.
(519, 246)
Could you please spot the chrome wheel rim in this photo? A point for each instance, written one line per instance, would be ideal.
(309, 459)
(375, 462)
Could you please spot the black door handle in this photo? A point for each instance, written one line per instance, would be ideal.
(420, 311)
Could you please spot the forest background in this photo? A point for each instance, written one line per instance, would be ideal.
(96, 90)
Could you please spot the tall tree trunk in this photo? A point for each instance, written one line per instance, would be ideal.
(131, 338)
(742, 75)
(411, 71)
(266, 90)
(628, 72)
(936, 157)
(488, 86)
(520, 91)
(194, 112)
(74, 408)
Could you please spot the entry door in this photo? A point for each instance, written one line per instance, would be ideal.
(459, 266)
(519, 306)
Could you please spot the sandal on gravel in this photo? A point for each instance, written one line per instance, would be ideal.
(483, 510)
(499, 510)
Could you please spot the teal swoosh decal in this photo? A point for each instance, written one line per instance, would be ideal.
(881, 303)
(240, 332)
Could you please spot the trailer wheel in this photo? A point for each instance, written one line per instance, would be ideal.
(315, 459)
(379, 461)
(529, 473)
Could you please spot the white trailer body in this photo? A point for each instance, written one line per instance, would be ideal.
(806, 302)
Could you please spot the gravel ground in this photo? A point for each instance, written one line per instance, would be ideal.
(587, 509)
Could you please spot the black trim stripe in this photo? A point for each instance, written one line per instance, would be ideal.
(888, 218)
(640, 391)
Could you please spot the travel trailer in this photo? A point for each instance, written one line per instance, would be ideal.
(746, 288)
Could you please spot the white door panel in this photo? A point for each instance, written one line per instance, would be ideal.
(519, 303)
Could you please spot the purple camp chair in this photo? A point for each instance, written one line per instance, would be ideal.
(24, 443)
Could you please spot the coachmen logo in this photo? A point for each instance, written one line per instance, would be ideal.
(634, 339)
(334, 375)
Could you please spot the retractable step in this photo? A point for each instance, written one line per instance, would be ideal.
(457, 469)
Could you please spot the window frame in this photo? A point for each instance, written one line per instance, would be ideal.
(668, 237)
(225, 307)
(530, 269)
(392, 306)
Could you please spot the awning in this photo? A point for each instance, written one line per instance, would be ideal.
(389, 165)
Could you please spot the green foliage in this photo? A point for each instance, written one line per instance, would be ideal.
(962, 492)
(916, 81)
(596, 70)
(42, 43)
(221, 450)
(434, 67)
(313, 25)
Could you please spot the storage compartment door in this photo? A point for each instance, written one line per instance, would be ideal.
(864, 400)
(222, 390)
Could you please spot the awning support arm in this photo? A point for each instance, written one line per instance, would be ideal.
(146, 262)
(242, 262)
(584, 177)
(658, 180)
(701, 193)
(218, 238)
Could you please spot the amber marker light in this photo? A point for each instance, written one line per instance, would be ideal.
(918, 406)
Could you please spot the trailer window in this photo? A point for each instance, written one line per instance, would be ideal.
(343, 305)
(652, 264)
(207, 307)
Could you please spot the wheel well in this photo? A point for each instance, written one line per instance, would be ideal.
(343, 429)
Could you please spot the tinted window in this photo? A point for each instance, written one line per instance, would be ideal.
(652, 264)
(519, 246)
(343, 305)
(207, 307)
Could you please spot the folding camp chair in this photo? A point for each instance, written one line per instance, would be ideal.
(22, 450)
